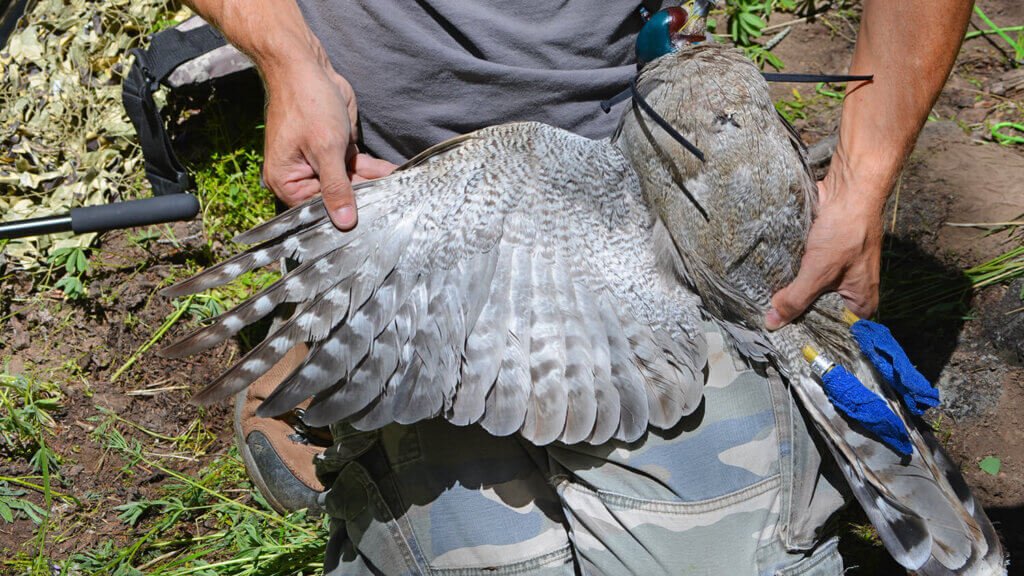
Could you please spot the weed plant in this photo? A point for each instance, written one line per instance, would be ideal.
(208, 522)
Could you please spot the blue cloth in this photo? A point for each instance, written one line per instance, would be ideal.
(877, 343)
(852, 398)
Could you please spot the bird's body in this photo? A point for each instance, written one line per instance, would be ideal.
(538, 282)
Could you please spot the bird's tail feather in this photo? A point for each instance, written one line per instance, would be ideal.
(920, 505)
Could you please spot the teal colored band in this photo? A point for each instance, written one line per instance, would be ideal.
(654, 39)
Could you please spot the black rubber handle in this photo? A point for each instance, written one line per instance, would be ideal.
(144, 212)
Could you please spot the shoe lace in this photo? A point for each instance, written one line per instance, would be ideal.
(306, 435)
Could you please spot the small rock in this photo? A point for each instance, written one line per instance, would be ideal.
(19, 338)
(86, 362)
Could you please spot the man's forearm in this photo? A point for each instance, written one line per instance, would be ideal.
(272, 32)
(910, 47)
(310, 138)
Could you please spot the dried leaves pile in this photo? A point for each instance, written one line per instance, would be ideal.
(65, 139)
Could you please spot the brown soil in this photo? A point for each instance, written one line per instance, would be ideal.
(955, 175)
(80, 346)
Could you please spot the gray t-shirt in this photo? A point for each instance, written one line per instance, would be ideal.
(427, 70)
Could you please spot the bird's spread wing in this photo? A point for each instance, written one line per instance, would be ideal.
(513, 277)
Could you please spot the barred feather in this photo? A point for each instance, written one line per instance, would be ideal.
(485, 345)
(548, 403)
(481, 290)
(581, 403)
(606, 396)
(626, 379)
(506, 404)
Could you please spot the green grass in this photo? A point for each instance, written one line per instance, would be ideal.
(26, 424)
(800, 107)
(229, 185)
(1017, 45)
(208, 518)
(909, 292)
(26, 420)
(239, 534)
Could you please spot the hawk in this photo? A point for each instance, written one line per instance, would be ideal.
(538, 282)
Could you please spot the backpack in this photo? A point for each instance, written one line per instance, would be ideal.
(189, 55)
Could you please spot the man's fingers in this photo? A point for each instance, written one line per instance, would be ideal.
(792, 300)
(861, 297)
(367, 167)
(339, 198)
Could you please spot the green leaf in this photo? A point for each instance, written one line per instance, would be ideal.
(991, 465)
(5, 512)
(83, 264)
(71, 286)
(753, 20)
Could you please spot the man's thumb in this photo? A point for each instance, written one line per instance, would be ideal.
(792, 301)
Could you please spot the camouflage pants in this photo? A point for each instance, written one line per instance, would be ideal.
(736, 488)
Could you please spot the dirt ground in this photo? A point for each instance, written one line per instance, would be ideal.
(956, 175)
(85, 345)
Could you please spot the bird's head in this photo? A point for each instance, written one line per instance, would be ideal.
(672, 28)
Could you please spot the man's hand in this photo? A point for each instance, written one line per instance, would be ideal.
(880, 122)
(311, 112)
(311, 141)
(843, 254)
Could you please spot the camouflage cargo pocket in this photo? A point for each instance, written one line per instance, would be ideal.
(433, 498)
(714, 495)
(824, 561)
(616, 534)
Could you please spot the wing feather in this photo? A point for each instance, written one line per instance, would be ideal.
(581, 408)
(486, 345)
(606, 395)
(505, 408)
(548, 403)
(485, 283)
(626, 378)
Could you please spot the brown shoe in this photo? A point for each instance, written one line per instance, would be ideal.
(278, 452)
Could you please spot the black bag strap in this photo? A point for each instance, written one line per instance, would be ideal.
(168, 49)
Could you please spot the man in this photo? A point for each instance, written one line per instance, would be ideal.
(736, 487)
